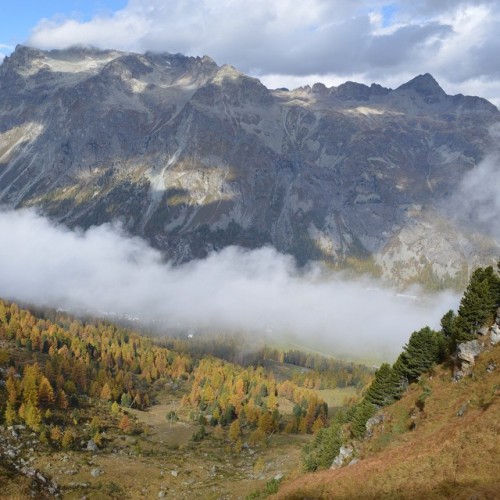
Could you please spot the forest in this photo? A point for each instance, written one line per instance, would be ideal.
(54, 365)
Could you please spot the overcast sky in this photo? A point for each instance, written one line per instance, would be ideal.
(285, 42)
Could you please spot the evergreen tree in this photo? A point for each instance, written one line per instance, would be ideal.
(478, 304)
(384, 388)
(424, 349)
(360, 416)
(448, 324)
(496, 286)
(324, 448)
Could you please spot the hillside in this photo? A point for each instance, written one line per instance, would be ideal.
(451, 450)
(195, 157)
(91, 408)
(427, 426)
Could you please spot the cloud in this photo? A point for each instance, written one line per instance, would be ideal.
(476, 202)
(454, 40)
(260, 37)
(252, 292)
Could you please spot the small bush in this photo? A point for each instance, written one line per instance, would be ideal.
(272, 486)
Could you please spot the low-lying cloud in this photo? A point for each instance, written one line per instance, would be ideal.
(476, 202)
(103, 270)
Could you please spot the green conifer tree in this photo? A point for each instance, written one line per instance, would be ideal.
(360, 416)
(425, 348)
(385, 387)
(478, 304)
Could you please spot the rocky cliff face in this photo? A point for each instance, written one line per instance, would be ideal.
(194, 156)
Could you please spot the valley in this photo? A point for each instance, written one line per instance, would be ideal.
(171, 433)
(223, 279)
(91, 408)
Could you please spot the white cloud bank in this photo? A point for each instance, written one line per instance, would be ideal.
(279, 41)
(235, 290)
(476, 202)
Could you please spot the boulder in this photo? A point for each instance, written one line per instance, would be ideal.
(91, 446)
(483, 331)
(468, 351)
(461, 411)
(495, 334)
(96, 472)
(466, 356)
(372, 422)
(345, 453)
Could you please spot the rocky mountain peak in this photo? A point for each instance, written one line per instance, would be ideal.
(352, 91)
(22, 56)
(424, 85)
(227, 72)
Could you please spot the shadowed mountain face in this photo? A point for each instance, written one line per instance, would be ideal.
(195, 157)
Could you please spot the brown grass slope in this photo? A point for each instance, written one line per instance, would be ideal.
(445, 455)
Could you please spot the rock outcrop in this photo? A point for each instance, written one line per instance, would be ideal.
(343, 458)
(16, 449)
(467, 352)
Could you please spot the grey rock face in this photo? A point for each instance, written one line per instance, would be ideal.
(91, 446)
(373, 422)
(495, 334)
(345, 453)
(468, 351)
(195, 157)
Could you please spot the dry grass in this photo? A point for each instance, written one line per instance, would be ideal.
(207, 470)
(445, 456)
(163, 459)
(162, 431)
(338, 397)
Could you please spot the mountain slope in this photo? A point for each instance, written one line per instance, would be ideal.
(452, 451)
(194, 156)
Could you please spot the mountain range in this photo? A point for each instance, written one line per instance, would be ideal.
(194, 157)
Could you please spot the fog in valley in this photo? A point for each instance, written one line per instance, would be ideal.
(103, 270)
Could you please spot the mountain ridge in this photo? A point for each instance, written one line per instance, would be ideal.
(194, 156)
